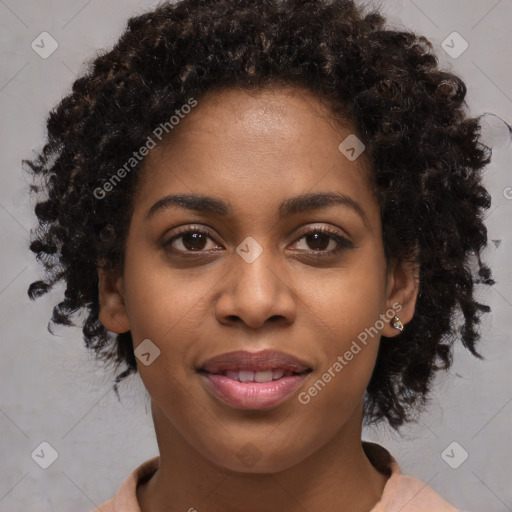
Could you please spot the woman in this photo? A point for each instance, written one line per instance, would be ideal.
(276, 207)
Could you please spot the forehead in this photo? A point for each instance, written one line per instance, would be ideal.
(279, 141)
(271, 114)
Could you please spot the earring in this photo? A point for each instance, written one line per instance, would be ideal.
(397, 324)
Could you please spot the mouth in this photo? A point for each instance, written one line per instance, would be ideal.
(257, 380)
(260, 376)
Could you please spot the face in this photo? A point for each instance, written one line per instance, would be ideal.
(263, 269)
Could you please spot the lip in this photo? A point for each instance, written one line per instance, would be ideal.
(253, 395)
(255, 361)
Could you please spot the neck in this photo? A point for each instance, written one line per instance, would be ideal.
(335, 477)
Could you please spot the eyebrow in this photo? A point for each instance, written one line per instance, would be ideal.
(291, 206)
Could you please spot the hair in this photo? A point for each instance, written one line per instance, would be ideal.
(425, 154)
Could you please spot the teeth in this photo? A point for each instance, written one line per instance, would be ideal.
(263, 376)
(277, 374)
(259, 376)
(230, 374)
(246, 376)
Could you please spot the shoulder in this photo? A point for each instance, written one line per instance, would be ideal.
(412, 495)
(401, 492)
(108, 506)
(125, 499)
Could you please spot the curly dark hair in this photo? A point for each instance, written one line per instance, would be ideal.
(424, 150)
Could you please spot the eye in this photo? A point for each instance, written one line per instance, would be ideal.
(191, 239)
(320, 239)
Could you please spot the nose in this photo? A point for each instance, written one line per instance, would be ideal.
(255, 293)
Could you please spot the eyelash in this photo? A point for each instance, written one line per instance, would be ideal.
(343, 243)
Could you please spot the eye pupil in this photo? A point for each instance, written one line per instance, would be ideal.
(194, 241)
(317, 241)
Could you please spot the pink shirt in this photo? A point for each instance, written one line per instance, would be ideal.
(401, 493)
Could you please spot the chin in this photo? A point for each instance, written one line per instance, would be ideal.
(259, 456)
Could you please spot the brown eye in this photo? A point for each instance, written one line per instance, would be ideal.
(189, 240)
(194, 241)
(318, 241)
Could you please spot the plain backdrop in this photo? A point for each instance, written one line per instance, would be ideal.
(51, 389)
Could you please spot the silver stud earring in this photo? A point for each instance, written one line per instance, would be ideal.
(397, 324)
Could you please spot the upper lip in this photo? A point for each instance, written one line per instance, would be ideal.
(255, 361)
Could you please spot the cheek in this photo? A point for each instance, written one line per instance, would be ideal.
(345, 307)
(345, 300)
(162, 302)
(166, 306)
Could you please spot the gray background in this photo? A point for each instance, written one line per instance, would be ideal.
(51, 389)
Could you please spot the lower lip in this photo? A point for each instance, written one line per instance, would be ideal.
(252, 395)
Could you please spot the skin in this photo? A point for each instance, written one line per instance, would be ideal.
(255, 150)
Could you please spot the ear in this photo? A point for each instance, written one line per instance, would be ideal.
(112, 313)
(402, 292)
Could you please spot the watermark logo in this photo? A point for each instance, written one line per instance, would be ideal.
(351, 147)
(44, 455)
(454, 45)
(146, 352)
(249, 454)
(454, 455)
(249, 249)
(44, 45)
